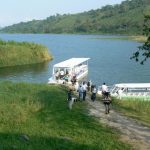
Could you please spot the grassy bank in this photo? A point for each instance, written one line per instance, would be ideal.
(131, 38)
(21, 53)
(138, 38)
(39, 113)
(135, 108)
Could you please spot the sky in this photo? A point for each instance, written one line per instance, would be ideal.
(15, 11)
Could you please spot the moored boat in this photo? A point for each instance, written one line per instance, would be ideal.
(69, 70)
(137, 90)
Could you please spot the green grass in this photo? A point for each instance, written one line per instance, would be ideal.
(40, 111)
(138, 38)
(135, 108)
(20, 53)
(131, 38)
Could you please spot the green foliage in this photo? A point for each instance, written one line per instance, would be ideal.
(40, 111)
(135, 108)
(126, 18)
(144, 51)
(19, 53)
(134, 38)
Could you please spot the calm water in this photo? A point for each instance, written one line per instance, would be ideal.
(109, 62)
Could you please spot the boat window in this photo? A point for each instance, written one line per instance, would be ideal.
(137, 89)
(99, 88)
(78, 70)
(56, 70)
(114, 89)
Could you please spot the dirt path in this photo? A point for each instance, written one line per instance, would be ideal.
(132, 131)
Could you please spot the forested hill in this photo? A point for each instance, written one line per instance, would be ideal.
(124, 18)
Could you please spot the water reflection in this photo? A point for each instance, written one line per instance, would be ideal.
(21, 70)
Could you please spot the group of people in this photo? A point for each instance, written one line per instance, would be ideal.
(65, 77)
(85, 87)
(82, 90)
(62, 75)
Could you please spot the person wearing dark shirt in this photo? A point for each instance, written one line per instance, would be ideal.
(93, 96)
(107, 101)
(69, 95)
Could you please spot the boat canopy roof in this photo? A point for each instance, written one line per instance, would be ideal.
(133, 85)
(70, 63)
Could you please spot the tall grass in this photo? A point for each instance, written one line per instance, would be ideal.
(41, 113)
(138, 38)
(134, 107)
(21, 53)
(131, 38)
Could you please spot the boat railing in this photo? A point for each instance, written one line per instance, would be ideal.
(127, 91)
(80, 70)
(137, 94)
(109, 88)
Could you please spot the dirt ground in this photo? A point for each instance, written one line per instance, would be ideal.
(132, 131)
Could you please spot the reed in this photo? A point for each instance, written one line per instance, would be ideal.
(137, 108)
(20, 53)
(129, 38)
(39, 113)
(138, 38)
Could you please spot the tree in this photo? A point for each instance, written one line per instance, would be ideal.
(143, 53)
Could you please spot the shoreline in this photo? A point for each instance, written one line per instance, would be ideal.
(138, 38)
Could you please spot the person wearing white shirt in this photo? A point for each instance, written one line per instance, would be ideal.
(84, 86)
(76, 86)
(80, 90)
(62, 74)
(120, 91)
(104, 89)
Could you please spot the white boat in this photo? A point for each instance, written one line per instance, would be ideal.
(67, 70)
(130, 90)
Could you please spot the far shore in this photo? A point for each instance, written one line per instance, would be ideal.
(138, 38)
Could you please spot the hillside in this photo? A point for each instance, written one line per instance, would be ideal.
(126, 18)
(21, 53)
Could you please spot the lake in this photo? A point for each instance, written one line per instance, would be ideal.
(110, 59)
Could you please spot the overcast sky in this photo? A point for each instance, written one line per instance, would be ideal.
(15, 11)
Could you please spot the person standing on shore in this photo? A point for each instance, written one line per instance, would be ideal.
(107, 101)
(80, 90)
(70, 102)
(84, 86)
(93, 96)
(104, 89)
(89, 85)
(120, 92)
(76, 86)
